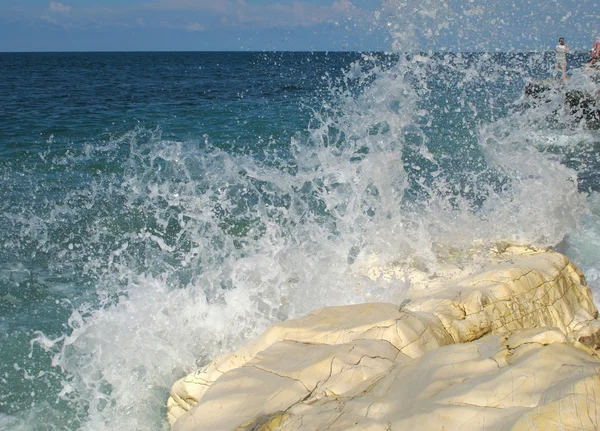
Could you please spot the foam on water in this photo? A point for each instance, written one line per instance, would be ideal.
(583, 246)
(191, 250)
(213, 247)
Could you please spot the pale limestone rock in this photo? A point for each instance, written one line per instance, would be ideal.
(509, 348)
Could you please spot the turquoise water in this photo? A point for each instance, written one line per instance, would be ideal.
(160, 209)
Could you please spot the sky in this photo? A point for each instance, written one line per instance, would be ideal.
(296, 25)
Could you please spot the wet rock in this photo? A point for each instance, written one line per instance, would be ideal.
(509, 347)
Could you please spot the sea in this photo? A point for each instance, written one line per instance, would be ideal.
(158, 210)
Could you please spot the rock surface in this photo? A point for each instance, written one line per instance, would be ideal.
(509, 348)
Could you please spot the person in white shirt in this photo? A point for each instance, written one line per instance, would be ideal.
(561, 57)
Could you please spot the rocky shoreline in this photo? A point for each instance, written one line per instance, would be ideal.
(510, 345)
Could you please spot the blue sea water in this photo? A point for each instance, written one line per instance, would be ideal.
(160, 209)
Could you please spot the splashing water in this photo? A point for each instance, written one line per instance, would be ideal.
(161, 252)
(209, 247)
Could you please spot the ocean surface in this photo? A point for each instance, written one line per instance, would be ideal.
(160, 209)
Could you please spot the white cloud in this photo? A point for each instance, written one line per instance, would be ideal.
(49, 19)
(195, 26)
(220, 6)
(345, 5)
(234, 13)
(59, 7)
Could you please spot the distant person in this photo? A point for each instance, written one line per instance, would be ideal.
(561, 57)
(595, 51)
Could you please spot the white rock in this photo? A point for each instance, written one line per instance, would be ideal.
(509, 348)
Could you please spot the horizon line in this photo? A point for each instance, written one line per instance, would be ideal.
(285, 51)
